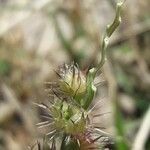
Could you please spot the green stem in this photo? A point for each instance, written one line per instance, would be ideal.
(109, 31)
(91, 89)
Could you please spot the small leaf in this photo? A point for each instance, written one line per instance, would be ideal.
(91, 89)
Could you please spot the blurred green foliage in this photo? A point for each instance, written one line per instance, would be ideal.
(5, 67)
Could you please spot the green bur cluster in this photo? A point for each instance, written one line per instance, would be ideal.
(69, 117)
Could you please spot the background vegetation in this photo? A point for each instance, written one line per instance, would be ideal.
(38, 36)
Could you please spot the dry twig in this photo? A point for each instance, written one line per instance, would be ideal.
(143, 133)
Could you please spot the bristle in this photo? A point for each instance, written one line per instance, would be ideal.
(101, 114)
